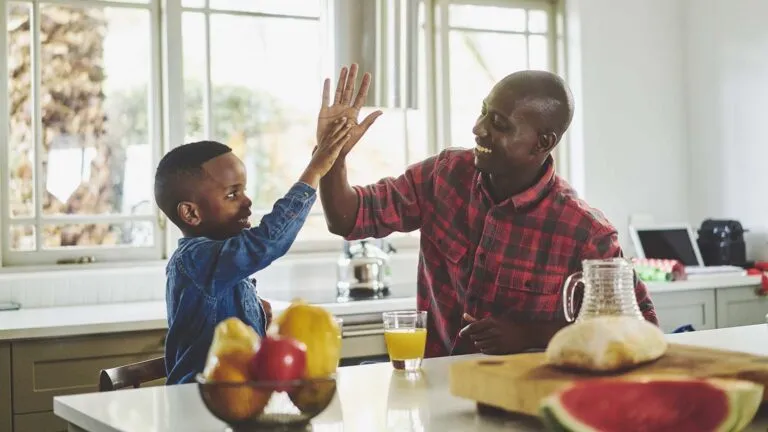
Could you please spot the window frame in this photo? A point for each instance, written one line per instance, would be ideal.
(39, 256)
(167, 122)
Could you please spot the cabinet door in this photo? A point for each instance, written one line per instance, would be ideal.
(6, 419)
(679, 308)
(740, 306)
(39, 422)
(46, 368)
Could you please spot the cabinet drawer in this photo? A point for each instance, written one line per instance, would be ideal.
(5, 388)
(679, 308)
(46, 368)
(39, 422)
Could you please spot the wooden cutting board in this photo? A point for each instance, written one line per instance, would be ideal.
(518, 383)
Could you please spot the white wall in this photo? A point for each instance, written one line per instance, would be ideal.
(626, 69)
(727, 91)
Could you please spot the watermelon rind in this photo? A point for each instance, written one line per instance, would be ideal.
(744, 399)
(550, 421)
(558, 419)
(748, 397)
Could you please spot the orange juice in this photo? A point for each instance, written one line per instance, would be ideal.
(405, 344)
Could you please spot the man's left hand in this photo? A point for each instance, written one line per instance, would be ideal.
(495, 336)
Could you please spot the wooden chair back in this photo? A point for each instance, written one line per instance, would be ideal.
(132, 375)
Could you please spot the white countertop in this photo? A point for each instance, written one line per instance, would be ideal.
(387, 401)
(705, 282)
(137, 316)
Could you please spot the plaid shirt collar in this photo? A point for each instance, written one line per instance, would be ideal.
(528, 197)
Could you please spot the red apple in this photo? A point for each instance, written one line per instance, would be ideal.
(278, 359)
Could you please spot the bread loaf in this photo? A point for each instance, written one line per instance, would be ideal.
(605, 344)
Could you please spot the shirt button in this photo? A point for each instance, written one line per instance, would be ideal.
(481, 257)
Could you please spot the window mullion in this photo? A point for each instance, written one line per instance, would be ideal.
(37, 124)
(208, 126)
(173, 103)
(5, 211)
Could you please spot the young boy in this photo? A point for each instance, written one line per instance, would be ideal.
(201, 188)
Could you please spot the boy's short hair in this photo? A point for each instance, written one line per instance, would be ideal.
(178, 170)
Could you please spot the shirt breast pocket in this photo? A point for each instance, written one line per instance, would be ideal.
(446, 253)
(528, 295)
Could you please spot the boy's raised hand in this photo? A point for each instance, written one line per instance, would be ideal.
(343, 107)
(327, 151)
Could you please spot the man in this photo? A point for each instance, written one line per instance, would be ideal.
(500, 231)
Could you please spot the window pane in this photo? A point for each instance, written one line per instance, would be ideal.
(95, 65)
(487, 17)
(21, 144)
(416, 133)
(265, 99)
(381, 152)
(193, 35)
(475, 67)
(308, 8)
(127, 234)
(22, 237)
(538, 51)
(193, 3)
(315, 228)
(537, 21)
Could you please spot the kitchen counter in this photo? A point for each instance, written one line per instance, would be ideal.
(151, 315)
(705, 282)
(137, 316)
(388, 401)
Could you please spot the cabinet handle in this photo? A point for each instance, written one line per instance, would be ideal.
(358, 333)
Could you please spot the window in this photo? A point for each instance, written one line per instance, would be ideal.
(98, 90)
(81, 132)
(485, 42)
(260, 98)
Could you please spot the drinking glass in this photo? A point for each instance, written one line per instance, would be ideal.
(405, 333)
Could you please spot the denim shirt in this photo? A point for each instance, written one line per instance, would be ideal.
(208, 281)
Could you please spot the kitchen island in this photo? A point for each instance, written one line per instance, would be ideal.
(369, 398)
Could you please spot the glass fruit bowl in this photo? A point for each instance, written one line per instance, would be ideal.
(266, 404)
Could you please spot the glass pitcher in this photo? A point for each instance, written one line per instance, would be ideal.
(609, 289)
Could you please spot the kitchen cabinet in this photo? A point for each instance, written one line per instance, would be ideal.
(678, 308)
(46, 368)
(39, 422)
(740, 306)
(6, 419)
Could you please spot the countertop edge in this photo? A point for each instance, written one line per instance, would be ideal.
(71, 415)
(153, 320)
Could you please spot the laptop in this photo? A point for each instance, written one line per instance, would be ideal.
(676, 242)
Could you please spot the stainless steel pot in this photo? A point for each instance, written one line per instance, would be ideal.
(362, 269)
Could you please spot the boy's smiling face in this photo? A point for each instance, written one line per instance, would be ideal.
(220, 208)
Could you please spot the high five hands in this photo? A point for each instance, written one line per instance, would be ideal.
(343, 107)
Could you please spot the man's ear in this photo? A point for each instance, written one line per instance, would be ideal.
(547, 142)
(189, 213)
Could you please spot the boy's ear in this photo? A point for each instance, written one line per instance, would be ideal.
(189, 213)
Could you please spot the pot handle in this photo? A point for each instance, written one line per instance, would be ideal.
(569, 288)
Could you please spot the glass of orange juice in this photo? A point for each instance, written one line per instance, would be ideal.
(405, 333)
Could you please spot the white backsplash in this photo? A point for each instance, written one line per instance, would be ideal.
(78, 286)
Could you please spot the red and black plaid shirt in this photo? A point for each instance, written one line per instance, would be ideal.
(486, 259)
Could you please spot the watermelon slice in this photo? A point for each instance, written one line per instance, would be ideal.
(653, 403)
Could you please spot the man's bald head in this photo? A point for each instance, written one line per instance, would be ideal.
(545, 94)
